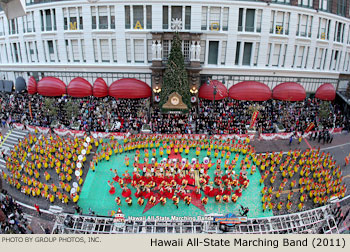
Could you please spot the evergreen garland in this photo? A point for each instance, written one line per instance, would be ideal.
(175, 76)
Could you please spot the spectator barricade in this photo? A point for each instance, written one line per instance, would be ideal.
(287, 135)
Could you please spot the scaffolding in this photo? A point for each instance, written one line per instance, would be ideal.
(315, 221)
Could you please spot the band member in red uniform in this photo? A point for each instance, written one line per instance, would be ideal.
(138, 192)
(116, 177)
(126, 191)
(112, 188)
(147, 193)
(127, 177)
(169, 192)
(182, 193)
(228, 190)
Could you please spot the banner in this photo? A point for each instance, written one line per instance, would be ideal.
(336, 130)
(61, 132)
(30, 110)
(65, 132)
(39, 129)
(18, 126)
(310, 127)
(77, 133)
(119, 135)
(30, 128)
(43, 130)
(277, 136)
(253, 120)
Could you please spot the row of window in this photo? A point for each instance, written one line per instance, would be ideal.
(212, 19)
(324, 5)
(212, 52)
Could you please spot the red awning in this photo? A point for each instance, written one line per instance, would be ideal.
(207, 91)
(326, 92)
(32, 85)
(100, 88)
(129, 89)
(289, 91)
(79, 87)
(250, 91)
(51, 86)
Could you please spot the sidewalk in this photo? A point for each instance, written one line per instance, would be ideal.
(278, 145)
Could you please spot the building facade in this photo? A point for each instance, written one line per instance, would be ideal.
(307, 41)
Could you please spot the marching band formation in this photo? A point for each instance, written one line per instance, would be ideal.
(308, 175)
(168, 168)
(34, 160)
(172, 177)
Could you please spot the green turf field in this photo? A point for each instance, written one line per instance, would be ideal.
(95, 193)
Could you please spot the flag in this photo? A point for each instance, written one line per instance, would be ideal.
(254, 117)
(310, 127)
(30, 110)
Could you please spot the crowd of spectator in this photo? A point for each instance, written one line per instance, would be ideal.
(12, 220)
(234, 117)
(226, 116)
(89, 113)
(172, 123)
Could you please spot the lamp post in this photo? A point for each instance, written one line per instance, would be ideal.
(156, 91)
(193, 90)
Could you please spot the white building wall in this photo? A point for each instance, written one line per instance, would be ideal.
(231, 36)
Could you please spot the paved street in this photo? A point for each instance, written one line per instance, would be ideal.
(339, 148)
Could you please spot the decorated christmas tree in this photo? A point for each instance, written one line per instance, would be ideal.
(175, 76)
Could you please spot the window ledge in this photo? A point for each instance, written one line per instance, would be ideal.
(324, 41)
(48, 32)
(27, 34)
(73, 31)
(13, 35)
(250, 34)
(103, 30)
(282, 36)
(303, 38)
(338, 43)
(138, 31)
